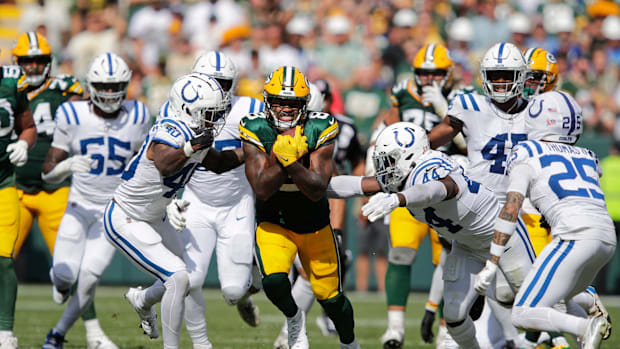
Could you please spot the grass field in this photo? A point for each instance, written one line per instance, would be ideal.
(36, 314)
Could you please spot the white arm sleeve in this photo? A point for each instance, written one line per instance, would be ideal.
(344, 187)
(422, 195)
(519, 179)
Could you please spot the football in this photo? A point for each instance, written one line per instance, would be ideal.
(272, 157)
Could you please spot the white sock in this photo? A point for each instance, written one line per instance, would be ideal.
(6, 333)
(503, 316)
(93, 329)
(576, 309)
(396, 319)
(153, 294)
(549, 319)
(303, 294)
(436, 292)
(81, 299)
(194, 317)
(584, 300)
(173, 308)
(464, 334)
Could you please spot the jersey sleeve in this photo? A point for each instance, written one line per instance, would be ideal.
(62, 132)
(321, 129)
(457, 108)
(172, 133)
(73, 86)
(518, 169)
(143, 131)
(432, 169)
(252, 129)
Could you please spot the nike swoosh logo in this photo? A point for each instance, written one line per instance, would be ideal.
(239, 218)
(282, 157)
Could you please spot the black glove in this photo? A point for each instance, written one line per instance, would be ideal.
(427, 326)
(544, 223)
(204, 139)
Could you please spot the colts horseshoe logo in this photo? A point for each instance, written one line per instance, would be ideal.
(410, 131)
(188, 100)
(535, 115)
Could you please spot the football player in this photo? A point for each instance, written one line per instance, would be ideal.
(92, 142)
(135, 219)
(289, 176)
(562, 182)
(39, 199)
(14, 117)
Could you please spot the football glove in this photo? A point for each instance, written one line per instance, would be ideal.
(485, 277)
(426, 328)
(62, 170)
(176, 213)
(290, 149)
(203, 140)
(432, 95)
(379, 205)
(18, 152)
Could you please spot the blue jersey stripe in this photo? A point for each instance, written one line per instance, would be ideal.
(167, 105)
(64, 110)
(539, 272)
(572, 114)
(177, 124)
(217, 61)
(226, 144)
(136, 110)
(110, 63)
(261, 108)
(252, 103)
(75, 115)
(501, 51)
(527, 147)
(551, 273)
(143, 113)
(473, 102)
(131, 170)
(525, 237)
(463, 101)
(538, 147)
(430, 162)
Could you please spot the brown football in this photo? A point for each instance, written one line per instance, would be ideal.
(272, 157)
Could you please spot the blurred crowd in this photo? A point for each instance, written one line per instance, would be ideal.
(361, 46)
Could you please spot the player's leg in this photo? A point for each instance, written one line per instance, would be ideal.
(28, 209)
(319, 256)
(9, 227)
(547, 284)
(51, 208)
(155, 249)
(434, 296)
(459, 295)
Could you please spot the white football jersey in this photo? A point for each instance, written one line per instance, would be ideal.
(110, 142)
(564, 187)
(469, 217)
(226, 188)
(490, 134)
(144, 192)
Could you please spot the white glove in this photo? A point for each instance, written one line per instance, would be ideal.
(18, 152)
(432, 95)
(175, 211)
(80, 163)
(485, 277)
(379, 205)
(62, 170)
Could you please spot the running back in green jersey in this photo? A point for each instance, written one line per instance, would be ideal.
(13, 101)
(289, 207)
(44, 103)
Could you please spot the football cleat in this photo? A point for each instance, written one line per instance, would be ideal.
(100, 342)
(326, 325)
(282, 341)
(393, 339)
(54, 340)
(60, 297)
(8, 341)
(148, 317)
(297, 338)
(352, 345)
(597, 327)
(599, 310)
(249, 312)
(203, 346)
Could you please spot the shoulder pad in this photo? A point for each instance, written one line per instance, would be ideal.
(321, 129)
(521, 153)
(254, 128)
(433, 168)
(401, 85)
(138, 114)
(69, 84)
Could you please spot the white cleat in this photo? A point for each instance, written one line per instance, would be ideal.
(203, 346)
(249, 312)
(597, 327)
(599, 310)
(8, 342)
(448, 342)
(282, 341)
(297, 338)
(100, 342)
(326, 326)
(352, 345)
(60, 297)
(393, 338)
(148, 317)
(441, 334)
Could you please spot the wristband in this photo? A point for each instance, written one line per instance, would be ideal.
(505, 227)
(497, 250)
(188, 149)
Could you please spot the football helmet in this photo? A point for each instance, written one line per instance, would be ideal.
(317, 102)
(543, 71)
(554, 116)
(220, 67)
(286, 94)
(33, 53)
(503, 62)
(433, 63)
(398, 149)
(107, 80)
(199, 101)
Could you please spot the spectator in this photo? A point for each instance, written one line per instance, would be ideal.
(520, 29)
(394, 55)
(611, 32)
(150, 30)
(206, 21)
(233, 46)
(487, 27)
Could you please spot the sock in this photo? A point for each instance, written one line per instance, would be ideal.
(575, 309)
(503, 316)
(396, 319)
(93, 328)
(4, 333)
(532, 336)
(436, 292)
(278, 289)
(8, 296)
(173, 307)
(82, 298)
(397, 281)
(548, 319)
(89, 313)
(584, 300)
(464, 334)
(153, 294)
(195, 317)
(303, 294)
(340, 311)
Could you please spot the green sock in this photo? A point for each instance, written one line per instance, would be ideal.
(440, 309)
(90, 313)
(8, 296)
(278, 289)
(532, 336)
(397, 281)
(340, 311)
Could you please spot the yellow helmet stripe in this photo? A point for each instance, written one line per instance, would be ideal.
(33, 41)
(530, 53)
(430, 53)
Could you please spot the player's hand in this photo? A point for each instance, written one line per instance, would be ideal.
(18, 152)
(426, 328)
(285, 149)
(432, 95)
(176, 213)
(301, 142)
(379, 205)
(203, 140)
(485, 277)
(80, 163)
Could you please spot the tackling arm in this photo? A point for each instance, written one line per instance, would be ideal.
(313, 181)
(168, 160)
(264, 179)
(445, 131)
(223, 161)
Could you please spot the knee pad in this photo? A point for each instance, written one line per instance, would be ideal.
(402, 255)
(517, 320)
(63, 276)
(504, 296)
(454, 313)
(179, 281)
(232, 294)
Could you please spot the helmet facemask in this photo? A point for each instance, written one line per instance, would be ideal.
(537, 82)
(284, 120)
(108, 96)
(501, 92)
(426, 77)
(213, 118)
(389, 175)
(36, 67)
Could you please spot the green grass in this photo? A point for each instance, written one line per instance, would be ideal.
(36, 314)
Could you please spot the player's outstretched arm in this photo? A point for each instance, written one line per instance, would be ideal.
(264, 179)
(223, 161)
(445, 131)
(345, 187)
(313, 181)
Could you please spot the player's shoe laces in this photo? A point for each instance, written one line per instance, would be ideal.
(8, 341)
(148, 317)
(352, 345)
(393, 338)
(297, 338)
(599, 310)
(100, 342)
(60, 297)
(54, 340)
(249, 312)
(326, 325)
(597, 327)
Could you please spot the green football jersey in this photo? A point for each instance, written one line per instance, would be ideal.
(13, 101)
(44, 102)
(289, 207)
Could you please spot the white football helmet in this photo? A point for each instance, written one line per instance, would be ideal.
(503, 60)
(554, 116)
(317, 101)
(218, 66)
(398, 149)
(107, 80)
(198, 100)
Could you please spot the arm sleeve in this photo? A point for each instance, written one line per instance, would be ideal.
(422, 195)
(171, 135)
(62, 134)
(344, 187)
